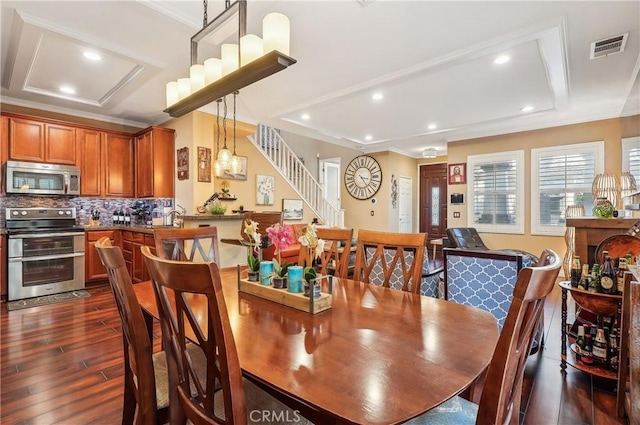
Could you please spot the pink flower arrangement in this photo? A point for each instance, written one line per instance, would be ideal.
(281, 236)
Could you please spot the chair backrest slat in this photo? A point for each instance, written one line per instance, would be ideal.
(382, 257)
(197, 244)
(336, 254)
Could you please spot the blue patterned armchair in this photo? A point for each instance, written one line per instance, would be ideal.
(482, 279)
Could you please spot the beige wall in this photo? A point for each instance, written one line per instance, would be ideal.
(609, 131)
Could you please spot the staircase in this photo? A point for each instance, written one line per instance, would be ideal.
(280, 155)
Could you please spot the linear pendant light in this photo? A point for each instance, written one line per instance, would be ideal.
(268, 64)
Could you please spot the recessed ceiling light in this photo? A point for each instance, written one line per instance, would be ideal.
(92, 56)
(527, 108)
(67, 90)
(432, 126)
(377, 96)
(305, 116)
(501, 59)
(368, 137)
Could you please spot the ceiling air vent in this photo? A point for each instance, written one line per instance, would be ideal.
(608, 46)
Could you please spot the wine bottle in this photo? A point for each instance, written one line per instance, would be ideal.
(586, 353)
(576, 271)
(114, 218)
(608, 277)
(622, 268)
(127, 218)
(580, 339)
(595, 277)
(599, 350)
(613, 354)
(121, 216)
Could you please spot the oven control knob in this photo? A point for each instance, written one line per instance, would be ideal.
(60, 212)
(67, 212)
(15, 213)
(23, 212)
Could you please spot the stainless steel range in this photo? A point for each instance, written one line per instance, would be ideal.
(45, 252)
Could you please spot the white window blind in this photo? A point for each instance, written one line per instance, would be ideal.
(496, 188)
(631, 162)
(562, 176)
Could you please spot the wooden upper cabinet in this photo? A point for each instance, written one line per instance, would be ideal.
(155, 162)
(33, 140)
(118, 162)
(91, 165)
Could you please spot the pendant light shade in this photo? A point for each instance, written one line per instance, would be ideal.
(250, 48)
(235, 165)
(212, 70)
(230, 60)
(184, 88)
(275, 31)
(196, 75)
(224, 158)
(172, 93)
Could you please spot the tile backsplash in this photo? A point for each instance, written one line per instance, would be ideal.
(140, 209)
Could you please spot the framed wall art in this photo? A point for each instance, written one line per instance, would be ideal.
(265, 189)
(204, 164)
(457, 173)
(292, 209)
(183, 163)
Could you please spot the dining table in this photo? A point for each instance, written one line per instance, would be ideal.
(377, 356)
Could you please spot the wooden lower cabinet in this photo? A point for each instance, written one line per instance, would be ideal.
(3, 267)
(132, 241)
(94, 270)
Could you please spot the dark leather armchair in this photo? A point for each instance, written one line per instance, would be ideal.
(465, 238)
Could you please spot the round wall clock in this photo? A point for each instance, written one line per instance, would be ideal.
(363, 177)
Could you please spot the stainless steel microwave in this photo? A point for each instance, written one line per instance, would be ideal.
(33, 178)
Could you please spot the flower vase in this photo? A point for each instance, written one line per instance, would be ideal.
(279, 282)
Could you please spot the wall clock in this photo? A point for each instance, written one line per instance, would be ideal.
(363, 177)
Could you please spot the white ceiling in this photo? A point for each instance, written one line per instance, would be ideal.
(432, 62)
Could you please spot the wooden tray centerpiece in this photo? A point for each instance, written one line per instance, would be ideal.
(299, 301)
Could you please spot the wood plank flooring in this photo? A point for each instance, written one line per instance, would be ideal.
(62, 364)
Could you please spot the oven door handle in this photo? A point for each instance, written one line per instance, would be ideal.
(44, 235)
(45, 257)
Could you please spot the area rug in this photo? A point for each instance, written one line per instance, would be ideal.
(47, 299)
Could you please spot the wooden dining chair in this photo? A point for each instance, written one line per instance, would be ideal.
(223, 396)
(392, 260)
(264, 220)
(500, 399)
(336, 254)
(199, 244)
(145, 372)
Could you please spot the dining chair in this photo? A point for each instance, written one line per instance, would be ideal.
(264, 220)
(177, 284)
(502, 389)
(145, 372)
(392, 260)
(336, 254)
(198, 244)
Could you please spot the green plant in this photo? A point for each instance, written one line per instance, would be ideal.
(309, 274)
(216, 208)
(280, 270)
(253, 263)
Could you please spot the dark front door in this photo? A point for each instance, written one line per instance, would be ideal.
(433, 200)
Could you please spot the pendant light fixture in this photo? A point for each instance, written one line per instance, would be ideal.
(235, 159)
(224, 154)
(217, 168)
(237, 68)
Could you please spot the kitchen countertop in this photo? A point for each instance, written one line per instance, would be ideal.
(213, 217)
(140, 228)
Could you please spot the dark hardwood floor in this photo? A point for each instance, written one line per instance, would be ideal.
(62, 364)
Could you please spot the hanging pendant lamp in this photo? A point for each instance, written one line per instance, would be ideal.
(235, 159)
(224, 154)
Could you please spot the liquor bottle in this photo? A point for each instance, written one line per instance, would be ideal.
(595, 277)
(613, 353)
(121, 216)
(114, 218)
(580, 339)
(586, 353)
(127, 218)
(599, 350)
(622, 268)
(608, 277)
(576, 271)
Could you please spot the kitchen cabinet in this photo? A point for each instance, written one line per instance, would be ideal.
(94, 270)
(155, 164)
(106, 163)
(118, 159)
(3, 267)
(41, 141)
(132, 241)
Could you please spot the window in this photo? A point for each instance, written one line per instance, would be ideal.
(631, 156)
(496, 190)
(562, 176)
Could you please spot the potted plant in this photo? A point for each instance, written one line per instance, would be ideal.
(216, 208)
(281, 236)
(315, 246)
(253, 260)
(311, 281)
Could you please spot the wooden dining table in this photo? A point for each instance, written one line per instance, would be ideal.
(378, 356)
